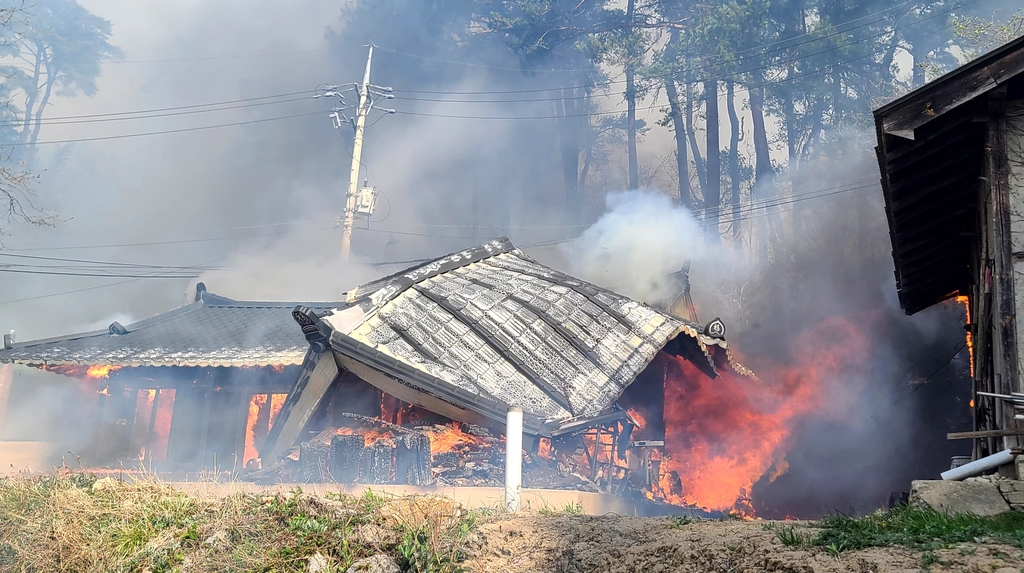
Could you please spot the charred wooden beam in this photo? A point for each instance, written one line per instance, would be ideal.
(379, 464)
(412, 459)
(314, 457)
(346, 458)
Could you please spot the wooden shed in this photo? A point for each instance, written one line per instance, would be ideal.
(952, 163)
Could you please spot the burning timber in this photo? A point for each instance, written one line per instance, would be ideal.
(421, 377)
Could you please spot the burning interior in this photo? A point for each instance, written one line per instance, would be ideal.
(407, 381)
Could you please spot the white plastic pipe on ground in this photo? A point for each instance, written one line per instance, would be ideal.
(513, 458)
(977, 466)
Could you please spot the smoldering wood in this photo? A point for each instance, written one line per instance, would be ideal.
(378, 463)
(313, 460)
(347, 457)
(412, 459)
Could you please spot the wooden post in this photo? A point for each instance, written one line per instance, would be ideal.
(204, 423)
(6, 380)
(1005, 324)
(611, 455)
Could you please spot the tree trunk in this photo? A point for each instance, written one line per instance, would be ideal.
(713, 196)
(734, 162)
(37, 119)
(763, 170)
(569, 146)
(679, 131)
(789, 116)
(30, 99)
(634, 167)
(691, 135)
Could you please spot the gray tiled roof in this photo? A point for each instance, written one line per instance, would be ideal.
(491, 323)
(213, 331)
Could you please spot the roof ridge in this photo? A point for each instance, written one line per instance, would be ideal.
(382, 290)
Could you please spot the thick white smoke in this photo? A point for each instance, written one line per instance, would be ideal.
(642, 240)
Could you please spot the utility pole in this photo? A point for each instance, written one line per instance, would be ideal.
(357, 151)
(366, 92)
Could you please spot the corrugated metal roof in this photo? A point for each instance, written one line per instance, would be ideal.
(213, 331)
(488, 328)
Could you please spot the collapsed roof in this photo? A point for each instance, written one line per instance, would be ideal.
(488, 328)
(212, 331)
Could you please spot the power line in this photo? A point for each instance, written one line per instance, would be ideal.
(153, 243)
(95, 275)
(52, 121)
(168, 131)
(95, 287)
(208, 58)
(192, 106)
(91, 262)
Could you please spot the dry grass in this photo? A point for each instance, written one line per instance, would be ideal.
(75, 523)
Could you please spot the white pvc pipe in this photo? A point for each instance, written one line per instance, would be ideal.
(978, 466)
(513, 458)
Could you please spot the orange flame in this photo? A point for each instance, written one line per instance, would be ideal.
(970, 342)
(94, 372)
(152, 446)
(370, 436)
(259, 421)
(544, 448)
(723, 435)
(100, 371)
(451, 438)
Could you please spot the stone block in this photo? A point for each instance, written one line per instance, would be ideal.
(1011, 486)
(1014, 497)
(1018, 462)
(978, 498)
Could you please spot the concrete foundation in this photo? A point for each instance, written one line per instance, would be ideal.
(978, 496)
(470, 497)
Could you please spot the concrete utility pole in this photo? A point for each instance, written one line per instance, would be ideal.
(366, 92)
(362, 111)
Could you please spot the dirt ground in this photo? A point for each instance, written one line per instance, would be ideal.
(566, 543)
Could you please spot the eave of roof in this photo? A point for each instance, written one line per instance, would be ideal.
(169, 339)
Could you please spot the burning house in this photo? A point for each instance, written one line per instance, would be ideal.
(449, 372)
(952, 162)
(492, 340)
(194, 388)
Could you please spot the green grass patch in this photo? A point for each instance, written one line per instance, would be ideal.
(72, 523)
(923, 529)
